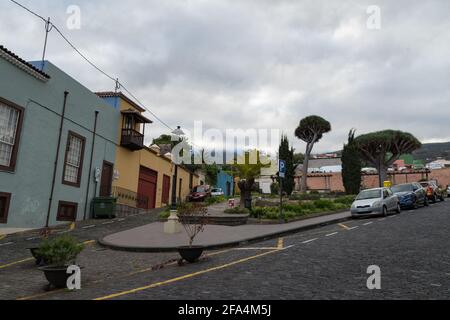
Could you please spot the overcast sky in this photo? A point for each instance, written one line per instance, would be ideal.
(258, 63)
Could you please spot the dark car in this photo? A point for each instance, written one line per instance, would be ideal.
(410, 195)
(200, 193)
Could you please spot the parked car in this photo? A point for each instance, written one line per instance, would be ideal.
(433, 191)
(378, 201)
(448, 191)
(410, 195)
(200, 193)
(217, 192)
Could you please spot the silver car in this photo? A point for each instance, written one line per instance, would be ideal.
(379, 201)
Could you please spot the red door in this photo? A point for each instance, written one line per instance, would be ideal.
(166, 190)
(148, 180)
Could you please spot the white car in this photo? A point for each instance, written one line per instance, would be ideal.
(378, 201)
(217, 192)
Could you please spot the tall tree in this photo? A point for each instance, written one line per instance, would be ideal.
(247, 172)
(310, 130)
(351, 165)
(286, 153)
(383, 148)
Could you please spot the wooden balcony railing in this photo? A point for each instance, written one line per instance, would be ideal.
(132, 139)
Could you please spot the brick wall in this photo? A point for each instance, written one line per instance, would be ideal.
(333, 181)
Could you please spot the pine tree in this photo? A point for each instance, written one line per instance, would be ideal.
(286, 153)
(351, 166)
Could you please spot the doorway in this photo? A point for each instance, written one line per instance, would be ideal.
(107, 177)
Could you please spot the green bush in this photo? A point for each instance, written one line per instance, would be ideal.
(61, 251)
(305, 197)
(347, 200)
(214, 200)
(324, 204)
(237, 210)
(165, 214)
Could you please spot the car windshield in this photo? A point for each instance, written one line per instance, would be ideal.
(369, 194)
(216, 190)
(403, 188)
(199, 189)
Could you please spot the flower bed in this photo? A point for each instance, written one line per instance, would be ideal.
(302, 209)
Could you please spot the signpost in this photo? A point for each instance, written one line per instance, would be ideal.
(281, 175)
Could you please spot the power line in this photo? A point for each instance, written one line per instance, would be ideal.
(118, 84)
(29, 10)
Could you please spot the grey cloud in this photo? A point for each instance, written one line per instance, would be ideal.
(260, 63)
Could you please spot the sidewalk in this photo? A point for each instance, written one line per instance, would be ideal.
(151, 238)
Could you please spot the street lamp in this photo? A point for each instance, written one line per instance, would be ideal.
(172, 225)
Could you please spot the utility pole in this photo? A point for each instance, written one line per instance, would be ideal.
(48, 28)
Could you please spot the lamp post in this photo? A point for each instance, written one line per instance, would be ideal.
(173, 225)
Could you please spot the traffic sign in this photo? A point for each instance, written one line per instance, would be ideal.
(282, 168)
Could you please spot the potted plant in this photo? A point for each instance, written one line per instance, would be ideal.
(58, 253)
(193, 218)
(44, 233)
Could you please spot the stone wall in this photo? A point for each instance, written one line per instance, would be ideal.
(333, 181)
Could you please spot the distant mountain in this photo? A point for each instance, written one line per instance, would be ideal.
(431, 151)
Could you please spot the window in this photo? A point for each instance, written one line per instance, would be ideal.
(73, 165)
(5, 199)
(67, 211)
(10, 125)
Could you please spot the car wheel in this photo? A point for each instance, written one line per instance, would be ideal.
(434, 200)
(425, 202)
(399, 209)
(385, 211)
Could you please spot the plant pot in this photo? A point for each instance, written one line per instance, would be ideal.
(56, 276)
(39, 260)
(191, 254)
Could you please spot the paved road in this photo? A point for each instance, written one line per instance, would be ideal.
(326, 263)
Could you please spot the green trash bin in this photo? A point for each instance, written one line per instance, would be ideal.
(104, 207)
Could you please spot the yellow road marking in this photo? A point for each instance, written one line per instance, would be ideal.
(89, 242)
(14, 263)
(343, 226)
(191, 275)
(280, 243)
(40, 295)
(72, 226)
(2, 236)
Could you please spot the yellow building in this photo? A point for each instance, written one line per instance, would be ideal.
(143, 177)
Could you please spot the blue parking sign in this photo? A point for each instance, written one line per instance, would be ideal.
(282, 168)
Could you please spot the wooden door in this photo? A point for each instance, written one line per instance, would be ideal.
(148, 180)
(166, 190)
(107, 177)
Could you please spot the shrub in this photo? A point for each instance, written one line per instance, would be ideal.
(347, 200)
(304, 197)
(213, 200)
(324, 204)
(165, 214)
(61, 251)
(237, 211)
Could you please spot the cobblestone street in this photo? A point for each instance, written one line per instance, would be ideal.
(323, 263)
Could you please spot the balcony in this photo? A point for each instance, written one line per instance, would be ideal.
(132, 139)
(133, 123)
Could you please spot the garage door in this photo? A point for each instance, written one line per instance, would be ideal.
(148, 180)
